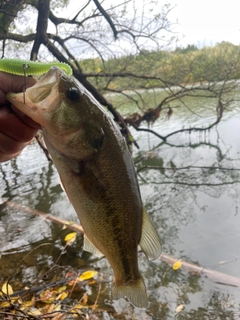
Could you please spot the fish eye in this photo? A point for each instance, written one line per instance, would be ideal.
(73, 94)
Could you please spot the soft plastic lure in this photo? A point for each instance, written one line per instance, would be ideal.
(26, 67)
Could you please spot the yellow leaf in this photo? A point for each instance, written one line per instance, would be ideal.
(7, 288)
(28, 303)
(77, 308)
(87, 275)
(5, 304)
(177, 265)
(61, 289)
(62, 296)
(70, 237)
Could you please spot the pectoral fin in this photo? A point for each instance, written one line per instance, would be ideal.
(89, 246)
(150, 241)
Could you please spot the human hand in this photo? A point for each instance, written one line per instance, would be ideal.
(16, 129)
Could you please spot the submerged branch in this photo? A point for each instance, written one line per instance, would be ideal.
(212, 275)
(42, 146)
(45, 216)
(150, 131)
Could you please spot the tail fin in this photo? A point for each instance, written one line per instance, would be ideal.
(135, 292)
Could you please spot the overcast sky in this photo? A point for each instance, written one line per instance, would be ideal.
(205, 22)
(201, 22)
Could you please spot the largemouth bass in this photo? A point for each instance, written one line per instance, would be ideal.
(98, 175)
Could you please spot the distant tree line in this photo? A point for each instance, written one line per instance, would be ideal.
(158, 68)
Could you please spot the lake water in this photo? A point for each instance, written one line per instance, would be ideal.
(195, 210)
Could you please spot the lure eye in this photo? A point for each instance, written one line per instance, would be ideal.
(73, 94)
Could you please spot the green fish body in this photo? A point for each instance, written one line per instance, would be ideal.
(98, 175)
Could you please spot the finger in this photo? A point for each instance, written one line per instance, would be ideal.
(6, 157)
(13, 83)
(10, 146)
(28, 121)
(15, 128)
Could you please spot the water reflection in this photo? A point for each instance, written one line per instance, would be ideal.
(32, 181)
(196, 212)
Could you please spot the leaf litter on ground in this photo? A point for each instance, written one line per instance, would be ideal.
(58, 300)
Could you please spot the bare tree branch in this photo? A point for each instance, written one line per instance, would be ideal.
(106, 16)
(42, 24)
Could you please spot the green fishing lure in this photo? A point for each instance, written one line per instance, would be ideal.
(27, 68)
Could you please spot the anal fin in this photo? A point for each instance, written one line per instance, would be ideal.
(150, 241)
(89, 246)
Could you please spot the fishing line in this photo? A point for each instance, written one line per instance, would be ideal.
(25, 66)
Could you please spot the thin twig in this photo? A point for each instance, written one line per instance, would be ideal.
(212, 275)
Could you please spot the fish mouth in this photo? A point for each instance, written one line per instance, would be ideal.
(36, 100)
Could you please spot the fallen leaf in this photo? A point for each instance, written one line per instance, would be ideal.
(35, 312)
(5, 304)
(27, 304)
(7, 288)
(70, 237)
(61, 289)
(177, 265)
(78, 306)
(77, 309)
(60, 316)
(87, 275)
(48, 296)
(62, 296)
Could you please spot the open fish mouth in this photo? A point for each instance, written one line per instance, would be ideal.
(38, 98)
